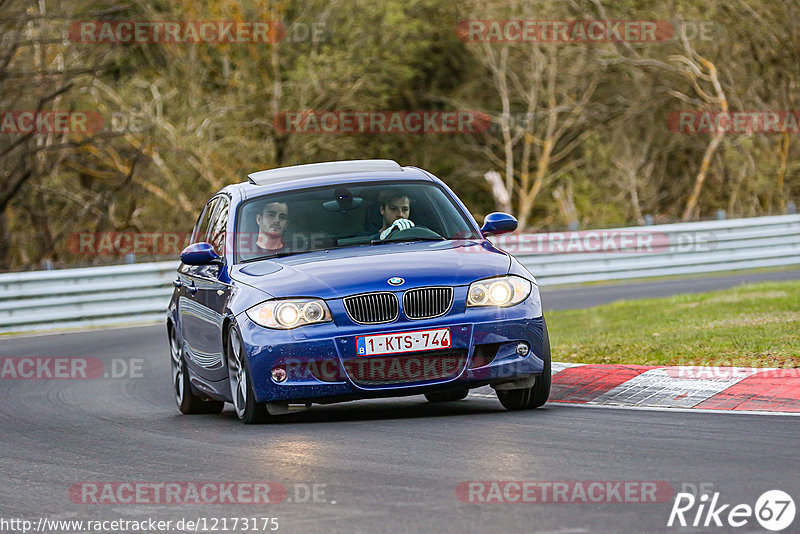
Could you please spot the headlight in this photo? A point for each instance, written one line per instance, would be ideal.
(502, 291)
(286, 314)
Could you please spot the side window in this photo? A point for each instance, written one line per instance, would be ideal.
(219, 224)
(200, 232)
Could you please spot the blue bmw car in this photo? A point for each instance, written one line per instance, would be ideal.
(349, 280)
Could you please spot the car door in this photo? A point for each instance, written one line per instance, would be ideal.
(187, 293)
(214, 290)
(204, 294)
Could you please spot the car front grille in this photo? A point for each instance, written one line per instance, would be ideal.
(429, 366)
(372, 308)
(427, 302)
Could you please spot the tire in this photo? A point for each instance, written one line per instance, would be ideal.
(244, 399)
(537, 395)
(447, 396)
(188, 403)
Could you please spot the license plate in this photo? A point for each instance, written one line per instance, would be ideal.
(399, 342)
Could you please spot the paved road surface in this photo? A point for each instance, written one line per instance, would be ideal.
(382, 465)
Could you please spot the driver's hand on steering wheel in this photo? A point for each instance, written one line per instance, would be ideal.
(398, 225)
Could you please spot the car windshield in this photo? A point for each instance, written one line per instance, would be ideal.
(347, 216)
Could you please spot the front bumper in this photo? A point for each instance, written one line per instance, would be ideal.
(322, 364)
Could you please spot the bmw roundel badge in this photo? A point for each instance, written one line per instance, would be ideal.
(396, 281)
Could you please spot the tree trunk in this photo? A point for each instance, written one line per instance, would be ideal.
(701, 176)
(782, 171)
(5, 264)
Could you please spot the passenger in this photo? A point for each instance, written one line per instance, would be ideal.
(272, 222)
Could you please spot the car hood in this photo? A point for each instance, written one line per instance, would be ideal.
(340, 272)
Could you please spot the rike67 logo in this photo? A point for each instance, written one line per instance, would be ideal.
(774, 510)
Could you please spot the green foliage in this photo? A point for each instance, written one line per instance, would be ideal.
(184, 120)
(753, 325)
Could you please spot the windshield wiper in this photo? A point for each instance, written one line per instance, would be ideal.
(406, 240)
(273, 256)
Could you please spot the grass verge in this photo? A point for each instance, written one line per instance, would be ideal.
(691, 276)
(752, 325)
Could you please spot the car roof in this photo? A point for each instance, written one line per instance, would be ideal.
(330, 173)
(310, 170)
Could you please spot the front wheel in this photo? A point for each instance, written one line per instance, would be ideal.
(188, 403)
(536, 395)
(244, 399)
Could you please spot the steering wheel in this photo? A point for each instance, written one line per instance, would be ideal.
(421, 232)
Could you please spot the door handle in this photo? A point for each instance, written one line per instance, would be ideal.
(177, 283)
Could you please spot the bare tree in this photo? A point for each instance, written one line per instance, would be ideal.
(699, 69)
(544, 95)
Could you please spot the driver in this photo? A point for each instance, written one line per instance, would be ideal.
(395, 210)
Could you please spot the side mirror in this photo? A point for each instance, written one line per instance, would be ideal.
(200, 254)
(498, 223)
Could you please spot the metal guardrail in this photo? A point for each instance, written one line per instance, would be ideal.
(684, 248)
(118, 295)
(87, 297)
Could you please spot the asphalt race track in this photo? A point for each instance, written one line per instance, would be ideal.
(594, 295)
(376, 466)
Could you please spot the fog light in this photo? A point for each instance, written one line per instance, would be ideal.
(279, 374)
(522, 349)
